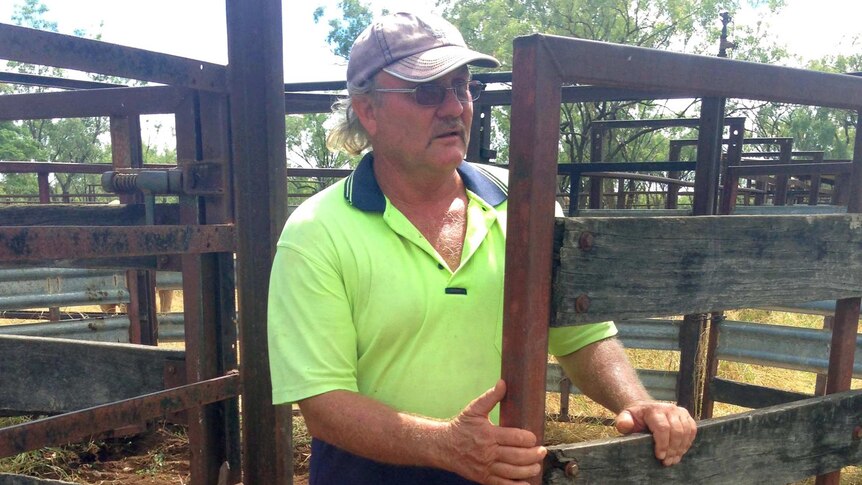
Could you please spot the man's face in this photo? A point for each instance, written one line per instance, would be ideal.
(414, 137)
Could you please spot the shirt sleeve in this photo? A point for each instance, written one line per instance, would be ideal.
(312, 339)
(565, 340)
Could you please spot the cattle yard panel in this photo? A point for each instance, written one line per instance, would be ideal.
(542, 64)
(204, 234)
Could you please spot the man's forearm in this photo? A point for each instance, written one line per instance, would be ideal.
(468, 444)
(602, 371)
(368, 428)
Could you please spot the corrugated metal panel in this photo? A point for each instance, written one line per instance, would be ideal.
(652, 334)
(24, 288)
(169, 280)
(43, 287)
(825, 308)
(171, 327)
(110, 329)
(779, 346)
(660, 384)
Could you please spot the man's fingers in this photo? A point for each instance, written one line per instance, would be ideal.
(515, 472)
(521, 456)
(678, 436)
(625, 422)
(514, 437)
(660, 427)
(482, 405)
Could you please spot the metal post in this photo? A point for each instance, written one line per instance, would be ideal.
(127, 152)
(621, 193)
(693, 328)
(597, 141)
(565, 395)
(846, 322)
(816, 181)
(260, 180)
(44, 188)
(532, 180)
(574, 191)
(730, 188)
(781, 181)
(672, 200)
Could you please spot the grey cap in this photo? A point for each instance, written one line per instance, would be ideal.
(411, 48)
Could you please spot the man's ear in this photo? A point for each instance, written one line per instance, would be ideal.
(365, 110)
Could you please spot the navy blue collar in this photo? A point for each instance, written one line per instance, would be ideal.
(362, 191)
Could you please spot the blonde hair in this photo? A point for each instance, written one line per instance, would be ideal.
(347, 133)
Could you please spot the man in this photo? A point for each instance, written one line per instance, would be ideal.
(386, 290)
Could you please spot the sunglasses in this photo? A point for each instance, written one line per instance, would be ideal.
(435, 94)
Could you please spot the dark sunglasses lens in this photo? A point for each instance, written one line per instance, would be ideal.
(476, 88)
(430, 94)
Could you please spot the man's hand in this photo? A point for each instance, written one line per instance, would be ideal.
(671, 426)
(490, 454)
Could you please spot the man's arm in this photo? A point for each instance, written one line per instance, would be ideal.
(603, 372)
(469, 444)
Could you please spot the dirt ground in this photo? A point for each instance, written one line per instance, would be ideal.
(158, 457)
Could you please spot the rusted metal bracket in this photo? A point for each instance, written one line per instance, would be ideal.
(204, 177)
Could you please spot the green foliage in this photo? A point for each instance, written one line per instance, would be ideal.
(305, 137)
(489, 26)
(16, 144)
(812, 128)
(342, 32)
(73, 140)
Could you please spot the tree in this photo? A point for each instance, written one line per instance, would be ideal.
(305, 137)
(67, 140)
(683, 26)
(77, 140)
(355, 16)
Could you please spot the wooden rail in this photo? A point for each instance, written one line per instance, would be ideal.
(779, 444)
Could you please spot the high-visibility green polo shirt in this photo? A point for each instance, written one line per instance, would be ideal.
(360, 301)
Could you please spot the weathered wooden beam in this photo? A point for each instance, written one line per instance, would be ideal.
(41, 375)
(779, 444)
(701, 264)
(29, 243)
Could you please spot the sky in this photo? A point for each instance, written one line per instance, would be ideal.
(196, 28)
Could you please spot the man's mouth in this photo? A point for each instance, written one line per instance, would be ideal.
(451, 133)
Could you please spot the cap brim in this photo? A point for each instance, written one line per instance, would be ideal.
(434, 63)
